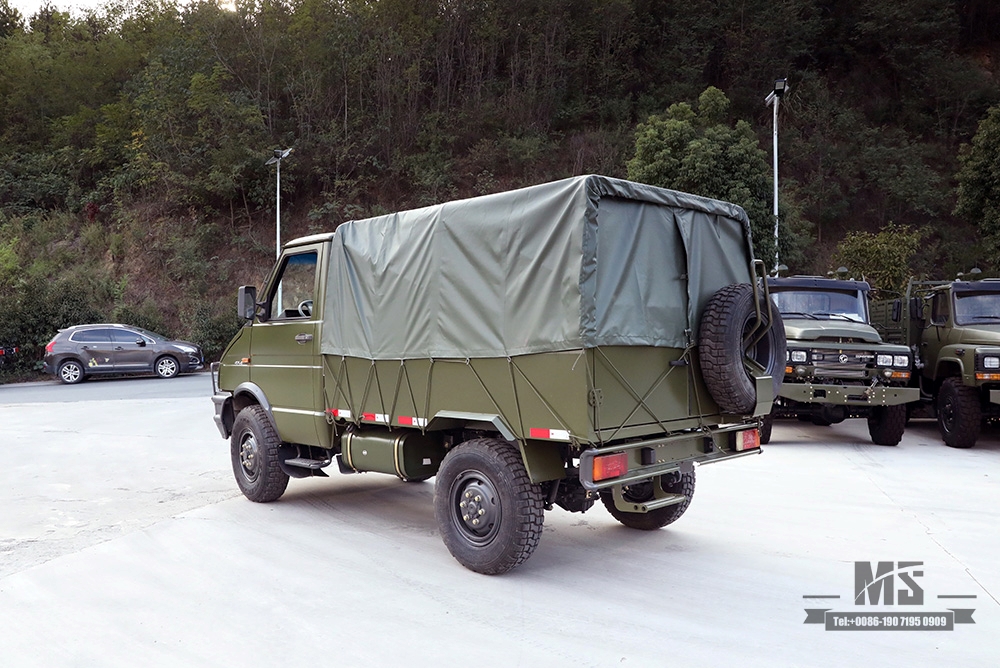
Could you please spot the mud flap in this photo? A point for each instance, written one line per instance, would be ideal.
(765, 395)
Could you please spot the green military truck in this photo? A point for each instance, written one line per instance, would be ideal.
(837, 366)
(583, 339)
(953, 327)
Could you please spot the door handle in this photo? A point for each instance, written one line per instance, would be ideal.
(303, 339)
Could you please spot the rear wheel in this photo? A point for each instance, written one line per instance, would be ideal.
(642, 493)
(71, 372)
(765, 428)
(729, 348)
(488, 510)
(959, 413)
(254, 450)
(886, 424)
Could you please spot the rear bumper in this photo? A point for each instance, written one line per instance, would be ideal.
(655, 457)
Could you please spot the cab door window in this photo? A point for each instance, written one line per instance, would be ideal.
(293, 297)
(939, 309)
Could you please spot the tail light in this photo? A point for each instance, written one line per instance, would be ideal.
(610, 466)
(50, 345)
(747, 440)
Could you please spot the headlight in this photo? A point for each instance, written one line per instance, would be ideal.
(187, 349)
(798, 356)
(900, 360)
(991, 362)
(883, 360)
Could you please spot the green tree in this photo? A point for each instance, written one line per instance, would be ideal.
(979, 184)
(885, 258)
(700, 153)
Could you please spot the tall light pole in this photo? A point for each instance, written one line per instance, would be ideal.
(279, 155)
(780, 88)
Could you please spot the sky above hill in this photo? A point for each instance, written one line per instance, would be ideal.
(29, 7)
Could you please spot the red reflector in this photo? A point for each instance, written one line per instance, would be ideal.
(748, 440)
(610, 466)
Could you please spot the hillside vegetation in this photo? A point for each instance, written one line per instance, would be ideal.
(132, 178)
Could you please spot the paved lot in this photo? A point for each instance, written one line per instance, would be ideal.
(124, 542)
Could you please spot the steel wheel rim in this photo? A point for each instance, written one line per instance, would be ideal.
(948, 415)
(248, 458)
(476, 508)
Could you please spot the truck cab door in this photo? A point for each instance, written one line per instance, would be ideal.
(285, 348)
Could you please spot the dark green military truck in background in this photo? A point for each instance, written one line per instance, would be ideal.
(583, 339)
(953, 328)
(837, 366)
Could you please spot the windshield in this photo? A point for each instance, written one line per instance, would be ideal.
(983, 307)
(822, 304)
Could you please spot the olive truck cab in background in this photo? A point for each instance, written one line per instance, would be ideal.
(586, 339)
(953, 328)
(837, 366)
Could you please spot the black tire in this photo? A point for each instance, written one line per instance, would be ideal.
(886, 424)
(489, 512)
(166, 367)
(959, 413)
(71, 372)
(254, 450)
(724, 347)
(766, 425)
(643, 492)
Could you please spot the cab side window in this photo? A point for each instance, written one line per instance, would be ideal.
(293, 297)
(939, 309)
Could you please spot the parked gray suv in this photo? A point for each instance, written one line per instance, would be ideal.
(85, 350)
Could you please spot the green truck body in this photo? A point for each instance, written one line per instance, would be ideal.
(953, 328)
(551, 345)
(837, 365)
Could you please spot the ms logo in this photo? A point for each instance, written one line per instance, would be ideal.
(880, 583)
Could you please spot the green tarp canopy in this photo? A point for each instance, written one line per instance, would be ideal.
(579, 263)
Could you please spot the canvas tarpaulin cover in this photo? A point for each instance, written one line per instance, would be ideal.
(579, 263)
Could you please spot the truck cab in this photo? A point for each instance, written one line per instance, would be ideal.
(953, 328)
(837, 365)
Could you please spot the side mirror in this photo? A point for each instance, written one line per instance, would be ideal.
(141, 343)
(246, 302)
(916, 308)
(897, 309)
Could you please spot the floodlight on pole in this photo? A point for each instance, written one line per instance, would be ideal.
(780, 88)
(276, 159)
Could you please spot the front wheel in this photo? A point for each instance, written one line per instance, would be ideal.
(166, 367)
(959, 413)
(643, 492)
(886, 424)
(254, 450)
(488, 510)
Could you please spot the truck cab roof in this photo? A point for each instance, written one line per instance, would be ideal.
(817, 283)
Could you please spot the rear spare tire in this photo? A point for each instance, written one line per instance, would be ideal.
(727, 350)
